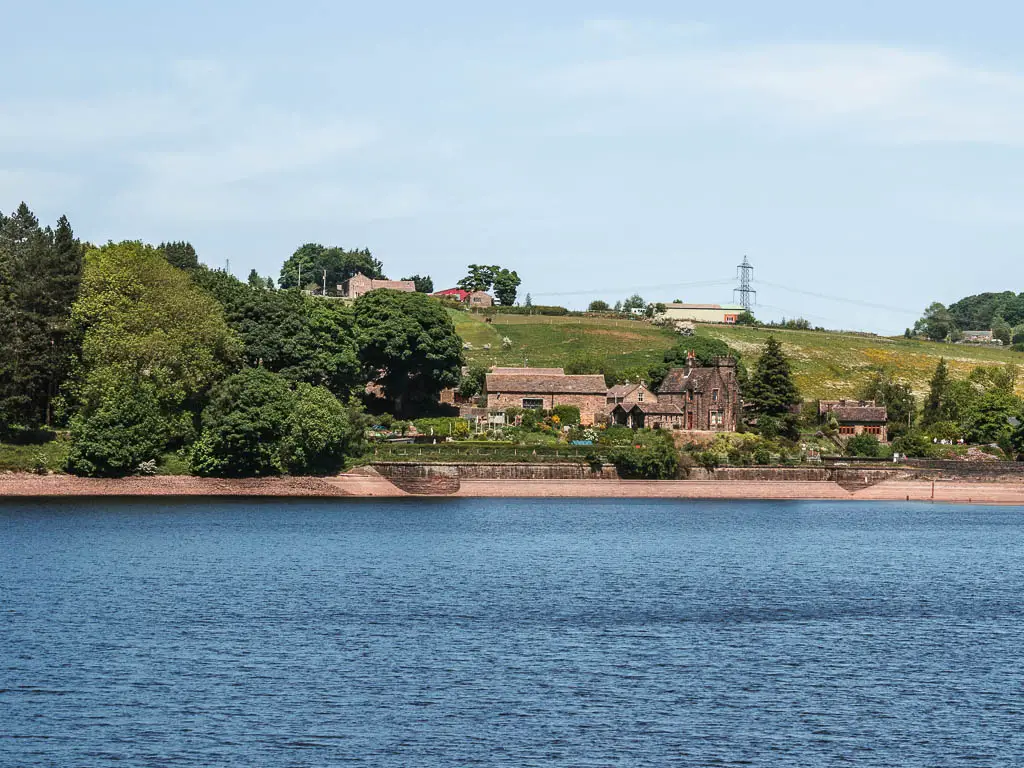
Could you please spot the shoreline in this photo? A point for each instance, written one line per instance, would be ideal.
(361, 486)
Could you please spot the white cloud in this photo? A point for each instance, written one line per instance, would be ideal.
(874, 91)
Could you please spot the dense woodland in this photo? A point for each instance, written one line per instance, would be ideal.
(138, 349)
(1001, 313)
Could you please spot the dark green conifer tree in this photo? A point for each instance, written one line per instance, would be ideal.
(771, 391)
(935, 405)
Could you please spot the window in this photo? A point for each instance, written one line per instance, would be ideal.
(714, 395)
(640, 396)
(846, 430)
(689, 395)
(533, 403)
(716, 418)
(873, 430)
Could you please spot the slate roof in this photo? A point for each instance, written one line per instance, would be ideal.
(621, 390)
(546, 371)
(546, 384)
(676, 379)
(868, 414)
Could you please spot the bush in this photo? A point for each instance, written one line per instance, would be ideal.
(913, 444)
(257, 425)
(568, 415)
(708, 460)
(762, 456)
(864, 445)
(443, 427)
(118, 427)
(657, 461)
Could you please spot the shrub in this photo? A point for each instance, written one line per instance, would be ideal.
(567, 414)
(321, 433)
(708, 460)
(762, 456)
(657, 461)
(118, 427)
(913, 444)
(864, 445)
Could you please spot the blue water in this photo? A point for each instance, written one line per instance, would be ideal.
(519, 633)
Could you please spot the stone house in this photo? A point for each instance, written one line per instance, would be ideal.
(708, 396)
(980, 337)
(360, 284)
(855, 417)
(544, 388)
(629, 393)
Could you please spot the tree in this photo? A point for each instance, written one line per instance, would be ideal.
(310, 261)
(937, 323)
(529, 301)
(118, 426)
(706, 350)
(255, 281)
(150, 322)
(771, 390)
(897, 397)
(472, 383)
(424, 283)
(617, 307)
(506, 284)
(180, 254)
(1017, 440)
(244, 425)
(40, 273)
(633, 302)
(480, 277)
(407, 344)
(989, 419)
(1001, 330)
(598, 306)
(935, 405)
(320, 433)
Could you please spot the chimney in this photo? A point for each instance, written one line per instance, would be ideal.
(691, 361)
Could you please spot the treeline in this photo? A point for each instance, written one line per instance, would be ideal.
(1001, 313)
(141, 350)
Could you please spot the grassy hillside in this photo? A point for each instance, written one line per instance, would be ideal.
(826, 365)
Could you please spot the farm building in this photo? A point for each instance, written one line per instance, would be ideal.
(703, 313)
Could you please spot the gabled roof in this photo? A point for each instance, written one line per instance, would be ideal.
(622, 390)
(548, 371)
(458, 292)
(651, 409)
(868, 414)
(546, 384)
(699, 377)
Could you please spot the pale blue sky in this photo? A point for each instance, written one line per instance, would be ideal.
(873, 151)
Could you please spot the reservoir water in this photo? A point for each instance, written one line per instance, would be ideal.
(510, 633)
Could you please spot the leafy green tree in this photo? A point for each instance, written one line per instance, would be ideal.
(1017, 440)
(706, 351)
(772, 391)
(148, 320)
(244, 426)
(913, 444)
(424, 283)
(598, 306)
(118, 426)
(321, 433)
(990, 417)
(937, 323)
(180, 254)
(1001, 330)
(472, 383)
(480, 277)
(255, 281)
(938, 391)
(747, 318)
(658, 460)
(506, 284)
(308, 263)
(897, 397)
(529, 301)
(617, 307)
(408, 345)
(635, 301)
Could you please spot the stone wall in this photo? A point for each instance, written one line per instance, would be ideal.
(591, 406)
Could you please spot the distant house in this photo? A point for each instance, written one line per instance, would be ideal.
(855, 417)
(544, 388)
(475, 299)
(359, 284)
(980, 337)
(707, 395)
(627, 393)
(702, 313)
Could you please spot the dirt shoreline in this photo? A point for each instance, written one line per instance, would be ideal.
(15, 485)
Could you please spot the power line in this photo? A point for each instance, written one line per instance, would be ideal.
(745, 272)
(827, 297)
(622, 289)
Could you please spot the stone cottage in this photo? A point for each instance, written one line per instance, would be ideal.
(856, 417)
(708, 396)
(360, 284)
(629, 393)
(544, 388)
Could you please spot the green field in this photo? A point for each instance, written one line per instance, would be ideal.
(826, 365)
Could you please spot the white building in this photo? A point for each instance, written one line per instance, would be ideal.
(703, 313)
